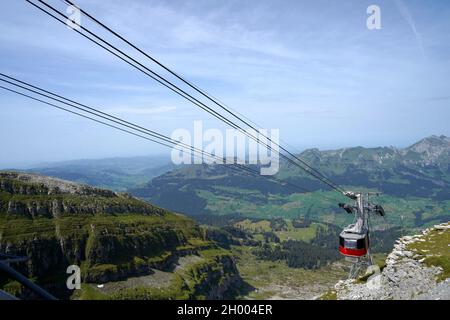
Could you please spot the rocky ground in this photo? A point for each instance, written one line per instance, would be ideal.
(415, 269)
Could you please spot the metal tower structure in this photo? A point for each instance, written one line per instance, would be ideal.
(354, 240)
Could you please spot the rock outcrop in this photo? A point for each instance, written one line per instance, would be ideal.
(417, 268)
(34, 184)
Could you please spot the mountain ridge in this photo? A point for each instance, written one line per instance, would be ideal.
(112, 237)
(414, 185)
(432, 148)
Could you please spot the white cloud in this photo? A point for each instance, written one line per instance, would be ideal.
(410, 21)
(298, 66)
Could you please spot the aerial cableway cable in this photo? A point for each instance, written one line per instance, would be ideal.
(77, 113)
(167, 141)
(174, 144)
(313, 171)
(121, 55)
(235, 167)
(106, 116)
(156, 77)
(229, 110)
(184, 94)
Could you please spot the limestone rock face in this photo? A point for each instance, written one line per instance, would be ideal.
(34, 184)
(413, 270)
(35, 196)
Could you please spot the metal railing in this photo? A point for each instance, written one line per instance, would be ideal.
(5, 261)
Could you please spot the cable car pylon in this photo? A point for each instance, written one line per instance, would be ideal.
(354, 241)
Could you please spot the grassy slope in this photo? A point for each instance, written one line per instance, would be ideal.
(436, 249)
(291, 233)
(406, 212)
(274, 279)
(184, 282)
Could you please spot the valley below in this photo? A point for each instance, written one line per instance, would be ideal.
(155, 231)
(129, 249)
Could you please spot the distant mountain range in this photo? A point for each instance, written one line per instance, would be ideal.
(117, 174)
(415, 182)
(421, 170)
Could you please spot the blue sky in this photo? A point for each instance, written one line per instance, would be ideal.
(310, 68)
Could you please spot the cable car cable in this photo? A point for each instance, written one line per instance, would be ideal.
(134, 127)
(176, 89)
(204, 93)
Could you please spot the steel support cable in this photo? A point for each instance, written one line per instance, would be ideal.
(173, 143)
(173, 87)
(132, 126)
(90, 110)
(126, 123)
(247, 121)
(96, 120)
(170, 86)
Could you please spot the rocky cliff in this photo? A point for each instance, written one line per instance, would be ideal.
(111, 236)
(417, 268)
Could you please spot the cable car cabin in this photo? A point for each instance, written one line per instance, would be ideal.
(353, 244)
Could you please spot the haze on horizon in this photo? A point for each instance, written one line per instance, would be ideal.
(310, 68)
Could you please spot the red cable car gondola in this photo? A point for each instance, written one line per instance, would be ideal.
(353, 244)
